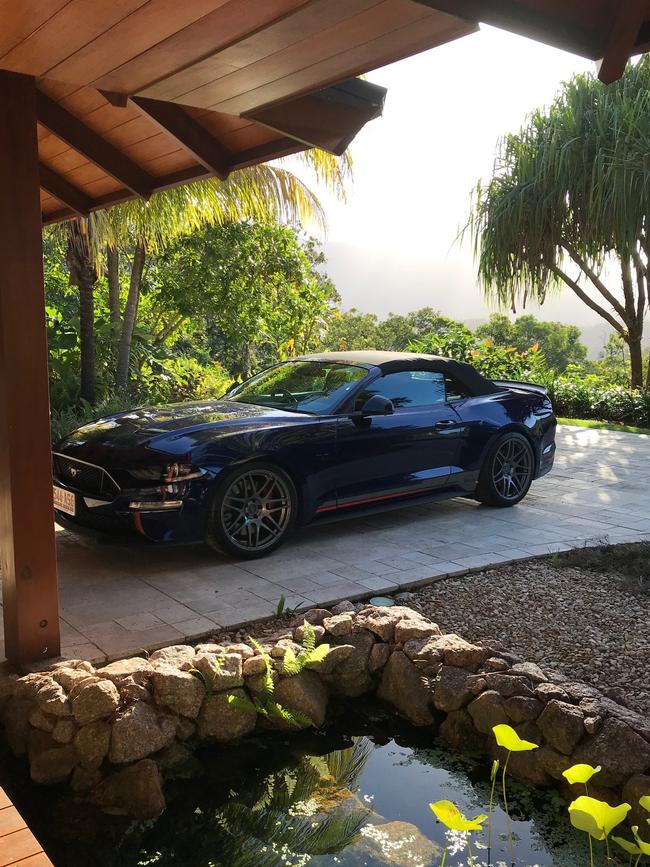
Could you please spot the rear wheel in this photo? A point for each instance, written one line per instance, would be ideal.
(507, 472)
(252, 512)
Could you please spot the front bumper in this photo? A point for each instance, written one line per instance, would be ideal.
(173, 516)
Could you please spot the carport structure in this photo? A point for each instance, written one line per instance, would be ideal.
(106, 100)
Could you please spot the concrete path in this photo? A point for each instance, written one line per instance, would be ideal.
(117, 600)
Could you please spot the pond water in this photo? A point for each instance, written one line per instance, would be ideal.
(354, 795)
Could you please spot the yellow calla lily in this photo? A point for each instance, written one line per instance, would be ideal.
(580, 773)
(595, 817)
(643, 846)
(508, 738)
(645, 802)
(630, 848)
(449, 814)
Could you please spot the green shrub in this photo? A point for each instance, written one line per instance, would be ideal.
(590, 397)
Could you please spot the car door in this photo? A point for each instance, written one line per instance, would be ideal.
(410, 451)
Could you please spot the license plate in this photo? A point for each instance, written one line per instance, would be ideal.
(65, 501)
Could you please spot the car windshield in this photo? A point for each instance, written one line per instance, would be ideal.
(300, 386)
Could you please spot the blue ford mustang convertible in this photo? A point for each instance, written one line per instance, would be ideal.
(304, 441)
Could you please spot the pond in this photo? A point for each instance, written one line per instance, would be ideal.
(353, 795)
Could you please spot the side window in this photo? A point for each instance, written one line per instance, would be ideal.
(454, 390)
(409, 388)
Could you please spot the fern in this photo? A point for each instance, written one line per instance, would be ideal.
(308, 637)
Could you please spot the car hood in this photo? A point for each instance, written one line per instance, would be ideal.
(155, 426)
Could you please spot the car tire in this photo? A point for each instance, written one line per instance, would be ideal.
(507, 472)
(252, 512)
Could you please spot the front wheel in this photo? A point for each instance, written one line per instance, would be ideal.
(252, 511)
(507, 473)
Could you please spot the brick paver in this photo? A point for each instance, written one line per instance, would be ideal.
(118, 599)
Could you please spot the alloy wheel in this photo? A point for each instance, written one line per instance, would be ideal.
(512, 469)
(256, 510)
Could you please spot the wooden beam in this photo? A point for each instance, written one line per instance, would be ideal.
(119, 100)
(64, 191)
(70, 129)
(27, 548)
(176, 122)
(629, 17)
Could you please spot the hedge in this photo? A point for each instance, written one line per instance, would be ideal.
(589, 397)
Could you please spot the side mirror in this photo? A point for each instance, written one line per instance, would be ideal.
(378, 405)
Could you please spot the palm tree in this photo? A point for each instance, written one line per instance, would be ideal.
(567, 206)
(262, 193)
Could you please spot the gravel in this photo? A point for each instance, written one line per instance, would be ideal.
(586, 626)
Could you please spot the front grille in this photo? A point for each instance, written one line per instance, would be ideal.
(84, 477)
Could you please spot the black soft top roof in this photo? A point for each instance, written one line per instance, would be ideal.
(392, 362)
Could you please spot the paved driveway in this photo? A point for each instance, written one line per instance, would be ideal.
(116, 599)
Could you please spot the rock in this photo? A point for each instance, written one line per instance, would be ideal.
(620, 751)
(351, 676)
(378, 656)
(508, 685)
(83, 779)
(75, 664)
(28, 685)
(242, 649)
(422, 649)
(49, 762)
(549, 691)
(339, 624)
(416, 626)
(179, 691)
(221, 721)
(71, 677)
(139, 731)
(634, 789)
(382, 621)
(221, 672)
(456, 688)
(521, 708)
(315, 616)
(524, 766)
(305, 693)
(175, 655)
(91, 743)
(401, 685)
(593, 724)
(528, 669)
(96, 701)
(38, 720)
(257, 682)
(459, 731)
(337, 654)
(64, 731)
(185, 729)
(52, 699)
(278, 651)
(136, 667)
(131, 691)
(457, 651)
(578, 691)
(206, 647)
(488, 711)
(254, 665)
(16, 723)
(135, 791)
(299, 633)
(83, 683)
(495, 663)
(552, 762)
(405, 598)
(603, 707)
(397, 843)
(343, 606)
(562, 725)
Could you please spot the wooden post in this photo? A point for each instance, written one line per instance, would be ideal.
(27, 546)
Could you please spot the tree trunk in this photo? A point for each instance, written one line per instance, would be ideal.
(636, 361)
(113, 275)
(87, 340)
(130, 314)
(83, 274)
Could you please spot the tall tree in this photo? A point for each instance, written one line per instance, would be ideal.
(567, 207)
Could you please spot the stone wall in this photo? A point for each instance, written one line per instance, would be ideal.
(111, 732)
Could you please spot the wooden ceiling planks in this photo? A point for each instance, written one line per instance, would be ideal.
(128, 88)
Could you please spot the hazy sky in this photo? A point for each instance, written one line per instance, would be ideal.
(393, 246)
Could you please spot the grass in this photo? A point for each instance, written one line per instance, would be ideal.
(604, 425)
